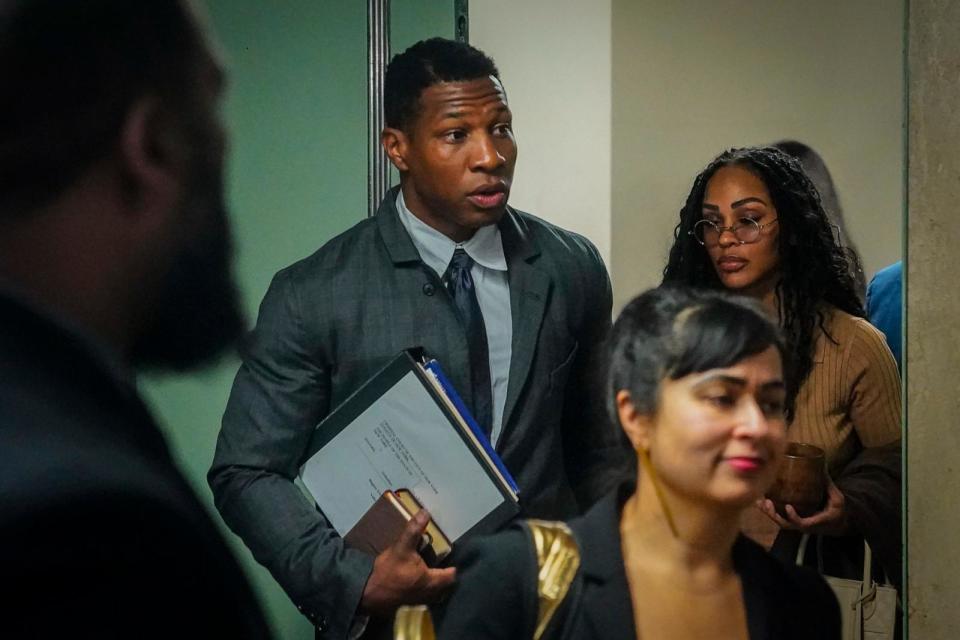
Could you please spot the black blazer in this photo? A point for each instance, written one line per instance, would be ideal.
(100, 536)
(496, 593)
(332, 320)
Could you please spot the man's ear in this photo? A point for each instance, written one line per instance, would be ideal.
(153, 155)
(636, 425)
(395, 144)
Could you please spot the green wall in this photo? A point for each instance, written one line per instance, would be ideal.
(297, 112)
(413, 20)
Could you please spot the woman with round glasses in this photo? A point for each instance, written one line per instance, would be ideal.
(753, 224)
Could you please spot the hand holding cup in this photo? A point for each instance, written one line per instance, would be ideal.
(801, 480)
(803, 496)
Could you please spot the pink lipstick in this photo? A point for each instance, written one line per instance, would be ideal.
(745, 464)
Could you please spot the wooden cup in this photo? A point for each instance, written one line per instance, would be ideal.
(801, 481)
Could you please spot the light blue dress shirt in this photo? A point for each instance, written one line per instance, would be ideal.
(489, 273)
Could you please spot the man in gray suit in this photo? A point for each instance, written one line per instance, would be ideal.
(512, 306)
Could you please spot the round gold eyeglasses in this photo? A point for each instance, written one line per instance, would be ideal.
(745, 230)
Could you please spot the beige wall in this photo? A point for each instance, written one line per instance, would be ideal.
(554, 57)
(933, 306)
(619, 103)
(691, 78)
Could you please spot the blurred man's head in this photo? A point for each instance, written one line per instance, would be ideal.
(111, 174)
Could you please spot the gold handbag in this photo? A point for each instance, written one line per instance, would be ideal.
(868, 609)
(558, 559)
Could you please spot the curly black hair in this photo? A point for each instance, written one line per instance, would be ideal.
(814, 268)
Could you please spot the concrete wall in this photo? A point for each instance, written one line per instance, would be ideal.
(933, 306)
(554, 58)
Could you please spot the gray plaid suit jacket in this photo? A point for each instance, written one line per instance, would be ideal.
(330, 321)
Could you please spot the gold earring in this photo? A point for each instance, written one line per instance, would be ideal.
(647, 465)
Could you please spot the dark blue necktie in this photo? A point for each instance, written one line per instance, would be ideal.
(460, 284)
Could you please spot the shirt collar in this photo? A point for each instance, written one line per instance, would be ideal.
(436, 249)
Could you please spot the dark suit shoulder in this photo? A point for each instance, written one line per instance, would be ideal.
(574, 264)
(103, 534)
(496, 593)
(50, 471)
(336, 252)
(558, 240)
(338, 269)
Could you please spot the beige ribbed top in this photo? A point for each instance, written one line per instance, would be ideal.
(851, 399)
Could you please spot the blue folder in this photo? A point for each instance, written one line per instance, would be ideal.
(434, 367)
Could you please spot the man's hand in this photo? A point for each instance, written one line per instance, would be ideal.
(831, 521)
(400, 576)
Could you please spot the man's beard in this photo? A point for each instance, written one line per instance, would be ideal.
(197, 314)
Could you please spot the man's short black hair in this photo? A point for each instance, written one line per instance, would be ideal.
(427, 63)
(71, 71)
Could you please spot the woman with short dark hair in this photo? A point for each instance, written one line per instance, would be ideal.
(696, 383)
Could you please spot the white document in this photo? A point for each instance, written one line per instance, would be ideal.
(403, 440)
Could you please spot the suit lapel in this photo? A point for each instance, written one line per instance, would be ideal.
(529, 291)
(752, 583)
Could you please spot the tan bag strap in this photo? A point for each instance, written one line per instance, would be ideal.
(558, 559)
(868, 587)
